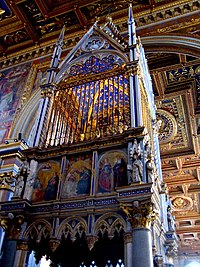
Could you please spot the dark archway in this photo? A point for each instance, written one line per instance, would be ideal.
(77, 253)
(106, 249)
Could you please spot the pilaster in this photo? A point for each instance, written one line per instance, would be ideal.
(128, 248)
(21, 253)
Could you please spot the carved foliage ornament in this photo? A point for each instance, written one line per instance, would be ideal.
(181, 203)
(12, 225)
(140, 215)
(7, 181)
(167, 126)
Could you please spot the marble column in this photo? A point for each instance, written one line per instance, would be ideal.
(11, 225)
(140, 216)
(7, 186)
(8, 253)
(21, 254)
(142, 248)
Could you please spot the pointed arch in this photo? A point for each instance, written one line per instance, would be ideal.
(110, 222)
(37, 229)
(26, 118)
(71, 227)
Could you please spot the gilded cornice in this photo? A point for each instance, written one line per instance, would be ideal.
(86, 146)
(80, 78)
(177, 26)
(11, 27)
(12, 144)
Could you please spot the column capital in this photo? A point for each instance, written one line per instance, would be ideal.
(133, 68)
(7, 181)
(11, 224)
(22, 245)
(140, 214)
(128, 237)
(47, 90)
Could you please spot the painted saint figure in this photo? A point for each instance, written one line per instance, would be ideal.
(37, 190)
(83, 186)
(70, 184)
(105, 177)
(120, 173)
(51, 189)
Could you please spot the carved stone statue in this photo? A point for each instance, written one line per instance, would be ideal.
(19, 185)
(170, 220)
(137, 166)
(150, 168)
(20, 179)
(32, 174)
(25, 168)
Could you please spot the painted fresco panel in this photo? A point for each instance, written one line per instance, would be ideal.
(112, 171)
(78, 177)
(46, 184)
(12, 84)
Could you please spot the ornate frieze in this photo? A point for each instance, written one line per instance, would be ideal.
(173, 125)
(182, 203)
(183, 73)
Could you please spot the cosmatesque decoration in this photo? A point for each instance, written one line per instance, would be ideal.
(140, 215)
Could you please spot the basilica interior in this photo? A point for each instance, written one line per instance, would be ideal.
(42, 50)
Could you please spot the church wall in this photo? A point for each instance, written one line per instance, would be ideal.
(17, 85)
(12, 85)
